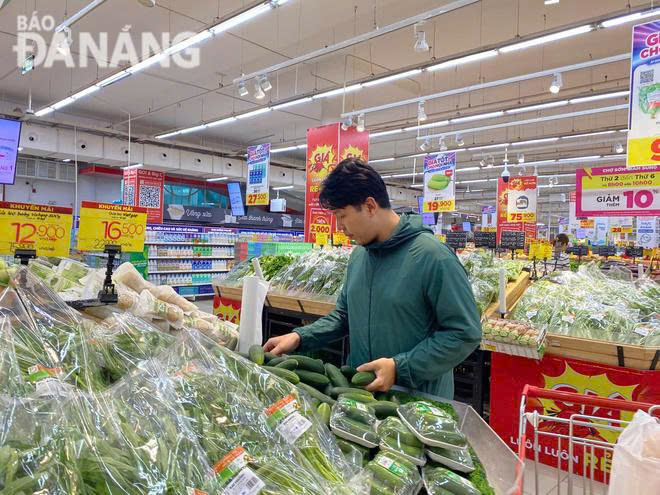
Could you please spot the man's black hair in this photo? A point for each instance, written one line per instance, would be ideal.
(351, 183)
(562, 239)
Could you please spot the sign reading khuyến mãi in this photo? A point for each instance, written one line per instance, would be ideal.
(439, 183)
(258, 164)
(618, 191)
(44, 228)
(103, 224)
(643, 136)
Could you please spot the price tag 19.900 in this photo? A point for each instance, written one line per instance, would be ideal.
(103, 224)
(44, 228)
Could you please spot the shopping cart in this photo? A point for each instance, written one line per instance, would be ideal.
(579, 430)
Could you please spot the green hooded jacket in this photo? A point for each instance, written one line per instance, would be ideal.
(406, 298)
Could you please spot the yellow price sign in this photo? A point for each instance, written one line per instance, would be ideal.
(340, 239)
(44, 228)
(103, 224)
(321, 232)
(257, 199)
(439, 206)
(522, 217)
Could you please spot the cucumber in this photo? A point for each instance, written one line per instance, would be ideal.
(356, 410)
(315, 393)
(269, 356)
(383, 408)
(363, 378)
(417, 452)
(324, 411)
(277, 360)
(348, 371)
(288, 375)
(311, 378)
(256, 354)
(336, 377)
(328, 389)
(365, 399)
(383, 476)
(244, 355)
(315, 403)
(287, 364)
(309, 364)
(378, 488)
(337, 391)
(356, 429)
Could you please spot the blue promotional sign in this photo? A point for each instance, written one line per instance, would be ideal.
(236, 199)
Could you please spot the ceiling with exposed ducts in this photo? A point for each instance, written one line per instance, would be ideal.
(483, 88)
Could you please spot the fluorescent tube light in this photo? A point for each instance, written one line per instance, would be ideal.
(463, 60)
(338, 91)
(547, 39)
(292, 103)
(393, 77)
(585, 99)
(254, 113)
(541, 106)
(490, 115)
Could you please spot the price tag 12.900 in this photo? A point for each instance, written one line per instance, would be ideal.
(44, 228)
(103, 224)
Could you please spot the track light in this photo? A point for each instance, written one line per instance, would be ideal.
(557, 83)
(242, 90)
(443, 144)
(459, 140)
(64, 46)
(521, 158)
(420, 45)
(265, 83)
(482, 163)
(425, 145)
(258, 92)
(618, 148)
(421, 112)
(360, 123)
(551, 2)
(348, 122)
(536, 171)
(491, 161)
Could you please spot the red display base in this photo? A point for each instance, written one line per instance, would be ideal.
(227, 309)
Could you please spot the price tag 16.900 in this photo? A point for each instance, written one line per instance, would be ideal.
(44, 228)
(103, 224)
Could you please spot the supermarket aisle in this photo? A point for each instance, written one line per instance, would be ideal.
(205, 305)
(554, 482)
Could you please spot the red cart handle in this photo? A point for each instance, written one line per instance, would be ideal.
(625, 405)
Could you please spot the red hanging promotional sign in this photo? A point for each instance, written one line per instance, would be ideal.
(326, 146)
(516, 206)
(144, 188)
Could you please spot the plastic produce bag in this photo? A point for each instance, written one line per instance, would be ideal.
(397, 437)
(441, 481)
(128, 275)
(167, 294)
(431, 425)
(354, 421)
(636, 461)
(49, 339)
(355, 454)
(150, 307)
(392, 474)
(222, 332)
(456, 459)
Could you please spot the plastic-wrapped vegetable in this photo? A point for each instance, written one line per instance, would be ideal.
(431, 425)
(354, 421)
(456, 459)
(235, 276)
(393, 474)
(150, 307)
(484, 293)
(222, 332)
(397, 437)
(355, 454)
(442, 481)
(511, 332)
(128, 275)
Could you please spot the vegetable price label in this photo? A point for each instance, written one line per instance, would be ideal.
(258, 164)
(44, 228)
(257, 199)
(288, 422)
(618, 191)
(103, 224)
(521, 199)
(439, 182)
(321, 232)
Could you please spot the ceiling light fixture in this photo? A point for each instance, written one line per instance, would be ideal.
(385, 133)
(489, 146)
(542, 106)
(292, 103)
(463, 60)
(420, 45)
(265, 84)
(254, 113)
(391, 78)
(548, 38)
(482, 163)
(551, 2)
(426, 126)
(66, 160)
(490, 161)
(629, 18)
(338, 91)
(242, 89)
(425, 145)
(258, 92)
(64, 46)
(556, 84)
(221, 121)
(482, 116)
(585, 99)
(130, 167)
(280, 150)
(588, 134)
(521, 158)
(381, 160)
(360, 123)
(618, 148)
(443, 144)
(217, 179)
(282, 188)
(459, 140)
(348, 122)
(421, 112)
(533, 141)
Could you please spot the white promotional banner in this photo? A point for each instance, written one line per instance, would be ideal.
(439, 182)
(602, 227)
(521, 206)
(258, 164)
(647, 235)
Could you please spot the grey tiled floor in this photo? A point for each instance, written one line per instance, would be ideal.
(552, 482)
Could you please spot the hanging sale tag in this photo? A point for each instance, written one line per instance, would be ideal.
(103, 224)
(44, 228)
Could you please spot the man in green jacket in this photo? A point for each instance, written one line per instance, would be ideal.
(406, 305)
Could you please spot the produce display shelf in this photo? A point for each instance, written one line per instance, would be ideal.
(189, 271)
(192, 285)
(189, 243)
(279, 301)
(191, 257)
(514, 290)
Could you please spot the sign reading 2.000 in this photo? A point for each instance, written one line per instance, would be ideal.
(103, 224)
